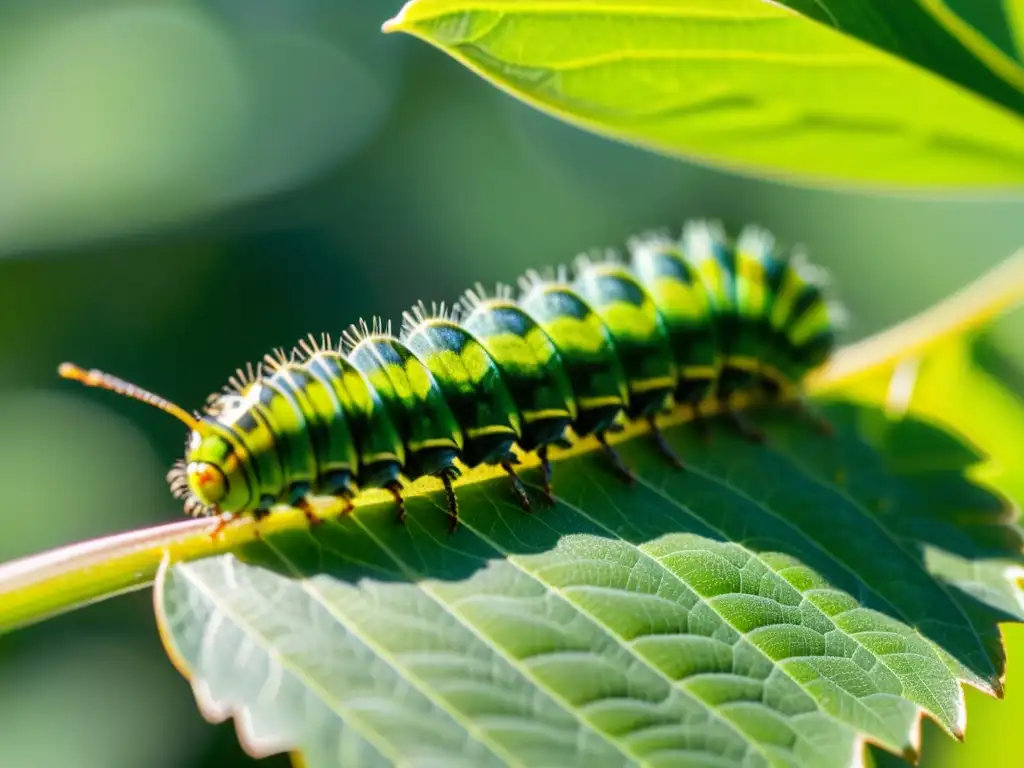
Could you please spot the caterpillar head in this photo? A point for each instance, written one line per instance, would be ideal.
(211, 479)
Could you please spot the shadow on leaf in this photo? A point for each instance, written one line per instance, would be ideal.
(776, 601)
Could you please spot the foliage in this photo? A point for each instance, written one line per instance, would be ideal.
(777, 604)
(767, 605)
(906, 94)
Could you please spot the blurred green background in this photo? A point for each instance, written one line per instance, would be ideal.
(186, 185)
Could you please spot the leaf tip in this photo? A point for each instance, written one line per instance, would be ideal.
(396, 23)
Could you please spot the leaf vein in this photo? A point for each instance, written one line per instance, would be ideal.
(378, 740)
(725, 620)
(470, 727)
(898, 541)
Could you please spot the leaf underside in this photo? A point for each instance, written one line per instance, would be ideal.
(770, 605)
(751, 85)
(952, 38)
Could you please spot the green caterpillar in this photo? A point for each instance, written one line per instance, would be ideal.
(684, 321)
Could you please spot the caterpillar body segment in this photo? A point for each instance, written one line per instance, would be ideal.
(685, 308)
(411, 401)
(587, 351)
(637, 330)
(530, 366)
(471, 383)
(681, 322)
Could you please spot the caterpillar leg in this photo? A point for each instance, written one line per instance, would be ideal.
(395, 488)
(225, 520)
(339, 486)
(307, 509)
(447, 475)
(662, 443)
(624, 472)
(517, 486)
(545, 465)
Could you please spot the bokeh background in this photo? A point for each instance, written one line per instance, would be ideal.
(184, 185)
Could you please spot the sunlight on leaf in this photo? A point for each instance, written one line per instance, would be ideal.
(742, 84)
(966, 41)
(768, 605)
(783, 604)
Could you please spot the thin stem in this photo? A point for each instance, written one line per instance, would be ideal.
(59, 580)
(993, 293)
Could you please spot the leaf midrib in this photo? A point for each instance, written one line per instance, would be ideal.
(713, 710)
(807, 60)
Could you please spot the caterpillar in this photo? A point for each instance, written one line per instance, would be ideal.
(578, 352)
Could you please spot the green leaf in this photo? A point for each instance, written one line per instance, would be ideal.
(969, 42)
(770, 605)
(773, 605)
(752, 85)
(1015, 14)
(776, 605)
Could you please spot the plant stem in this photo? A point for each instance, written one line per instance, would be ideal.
(980, 302)
(37, 587)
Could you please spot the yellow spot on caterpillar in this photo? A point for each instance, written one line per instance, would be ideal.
(743, 363)
(651, 385)
(544, 413)
(588, 403)
(699, 371)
